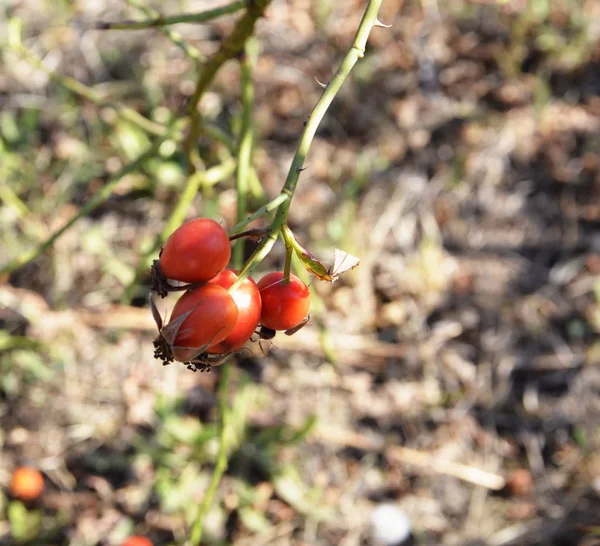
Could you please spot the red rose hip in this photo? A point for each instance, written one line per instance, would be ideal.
(195, 252)
(248, 302)
(284, 306)
(210, 316)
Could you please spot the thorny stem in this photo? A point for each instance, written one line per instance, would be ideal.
(230, 48)
(160, 21)
(221, 465)
(356, 51)
(245, 147)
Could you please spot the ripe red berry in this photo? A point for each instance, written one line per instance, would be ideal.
(137, 540)
(26, 483)
(247, 299)
(195, 252)
(212, 317)
(284, 306)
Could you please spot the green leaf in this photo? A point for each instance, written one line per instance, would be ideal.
(24, 524)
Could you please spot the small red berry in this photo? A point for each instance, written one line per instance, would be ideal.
(137, 540)
(212, 317)
(195, 252)
(284, 306)
(26, 483)
(247, 299)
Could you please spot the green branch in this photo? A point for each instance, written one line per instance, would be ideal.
(221, 466)
(161, 21)
(265, 209)
(230, 48)
(356, 52)
(245, 147)
(190, 51)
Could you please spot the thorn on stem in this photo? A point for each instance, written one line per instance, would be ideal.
(378, 23)
(323, 85)
(300, 169)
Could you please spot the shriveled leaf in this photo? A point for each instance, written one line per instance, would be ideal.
(342, 262)
(156, 314)
(312, 264)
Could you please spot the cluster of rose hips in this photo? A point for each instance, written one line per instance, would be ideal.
(211, 320)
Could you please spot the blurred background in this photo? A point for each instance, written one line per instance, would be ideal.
(447, 391)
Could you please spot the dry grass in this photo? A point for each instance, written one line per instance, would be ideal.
(455, 373)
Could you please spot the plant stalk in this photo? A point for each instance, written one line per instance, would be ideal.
(161, 21)
(221, 465)
(230, 48)
(356, 52)
(246, 141)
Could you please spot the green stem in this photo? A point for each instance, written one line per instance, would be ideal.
(160, 21)
(261, 252)
(192, 52)
(230, 48)
(245, 147)
(355, 52)
(265, 209)
(289, 250)
(221, 465)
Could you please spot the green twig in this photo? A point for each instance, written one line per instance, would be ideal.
(221, 465)
(265, 209)
(161, 21)
(289, 251)
(245, 147)
(232, 46)
(356, 51)
(192, 52)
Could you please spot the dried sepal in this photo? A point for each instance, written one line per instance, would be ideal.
(292, 331)
(342, 261)
(156, 314)
(160, 285)
(194, 358)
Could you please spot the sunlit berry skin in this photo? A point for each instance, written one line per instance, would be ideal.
(195, 252)
(284, 306)
(137, 540)
(249, 304)
(26, 483)
(213, 317)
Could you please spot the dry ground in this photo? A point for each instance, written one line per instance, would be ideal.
(455, 373)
